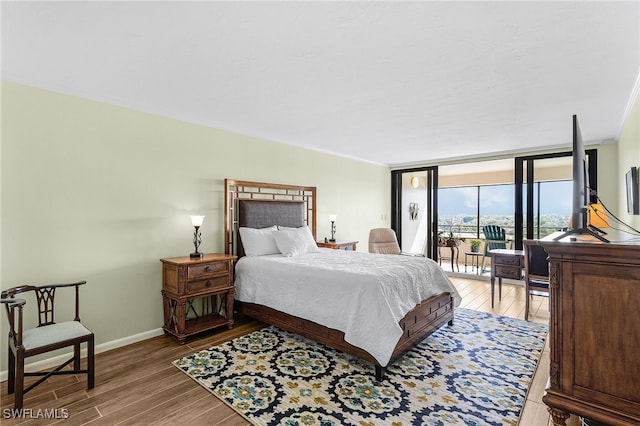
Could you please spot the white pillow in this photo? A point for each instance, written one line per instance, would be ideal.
(295, 241)
(258, 241)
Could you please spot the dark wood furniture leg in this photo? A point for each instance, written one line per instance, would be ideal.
(493, 282)
(380, 372)
(558, 417)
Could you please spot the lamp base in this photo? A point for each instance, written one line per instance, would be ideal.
(333, 240)
(195, 255)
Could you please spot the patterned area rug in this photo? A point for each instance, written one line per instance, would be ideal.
(476, 372)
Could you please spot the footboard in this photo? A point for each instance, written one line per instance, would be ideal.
(423, 320)
(420, 322)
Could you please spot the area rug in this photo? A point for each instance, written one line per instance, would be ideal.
(476, 372)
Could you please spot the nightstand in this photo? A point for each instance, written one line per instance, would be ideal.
(505, 264)
(338, 244)
(197, 294)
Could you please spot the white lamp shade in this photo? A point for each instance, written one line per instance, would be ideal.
(332, 217)
(197, 220)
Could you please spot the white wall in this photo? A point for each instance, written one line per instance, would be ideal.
(96, 192)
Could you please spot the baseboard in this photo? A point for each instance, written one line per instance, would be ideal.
(103, 347)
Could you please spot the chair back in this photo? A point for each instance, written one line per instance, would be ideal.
(536, 272)
(495, 236)
(536, 260)
(383, 240)
(45, 296)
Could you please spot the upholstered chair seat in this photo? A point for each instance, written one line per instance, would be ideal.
(51, 334)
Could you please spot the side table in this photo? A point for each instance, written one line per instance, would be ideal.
(338, 244)
(197, 294)
(505, 263)
(475, 261)
(454, 257)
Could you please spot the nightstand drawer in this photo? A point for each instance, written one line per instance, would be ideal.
(508, 272)
(204, 269)
(205, 285)
(507, 260)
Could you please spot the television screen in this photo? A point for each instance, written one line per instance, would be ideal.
(580, 179)
(581, 191)
(631, 178)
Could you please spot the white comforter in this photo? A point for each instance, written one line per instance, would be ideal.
(361, 294)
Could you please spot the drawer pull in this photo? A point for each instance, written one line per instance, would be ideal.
(208, 283)
(208, 268)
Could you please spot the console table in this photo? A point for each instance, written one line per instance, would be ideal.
(505, 263)
(594, 331)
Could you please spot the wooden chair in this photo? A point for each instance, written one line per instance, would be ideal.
(536, 272)
(46, 337)
(383, 240)
(495, 238)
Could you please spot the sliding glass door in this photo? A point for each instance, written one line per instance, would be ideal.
(414, 201)
(543, 187)
(530, 197)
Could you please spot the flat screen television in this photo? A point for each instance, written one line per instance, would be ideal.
(581, 192)
(580, 198)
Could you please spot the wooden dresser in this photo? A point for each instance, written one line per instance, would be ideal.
(594, 332)
(197, 294)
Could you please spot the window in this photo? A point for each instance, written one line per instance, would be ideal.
(465, 210)
(458, 210)
(496, 207)
(552, 207)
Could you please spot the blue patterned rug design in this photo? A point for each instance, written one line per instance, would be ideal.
(476, 372)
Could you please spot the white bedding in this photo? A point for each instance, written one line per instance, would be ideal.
(361, 294)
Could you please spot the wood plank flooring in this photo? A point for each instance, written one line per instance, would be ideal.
(137, 385)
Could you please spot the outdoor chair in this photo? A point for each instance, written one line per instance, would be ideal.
(495, 238)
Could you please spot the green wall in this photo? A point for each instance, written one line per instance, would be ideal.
(96, 192)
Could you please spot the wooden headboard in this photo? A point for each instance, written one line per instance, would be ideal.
(260, 205)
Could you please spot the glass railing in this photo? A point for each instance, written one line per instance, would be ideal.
(471, 232)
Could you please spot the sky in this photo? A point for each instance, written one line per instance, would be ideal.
(499, 200)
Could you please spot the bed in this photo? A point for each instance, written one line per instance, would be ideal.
(338, 298)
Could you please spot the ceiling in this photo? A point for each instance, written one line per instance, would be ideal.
(394, 83)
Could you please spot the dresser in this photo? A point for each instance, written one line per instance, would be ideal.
(197, 294)
(594, 331)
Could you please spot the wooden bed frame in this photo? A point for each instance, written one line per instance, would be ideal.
(260, 205)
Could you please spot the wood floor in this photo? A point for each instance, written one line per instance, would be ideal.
(137, 385)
